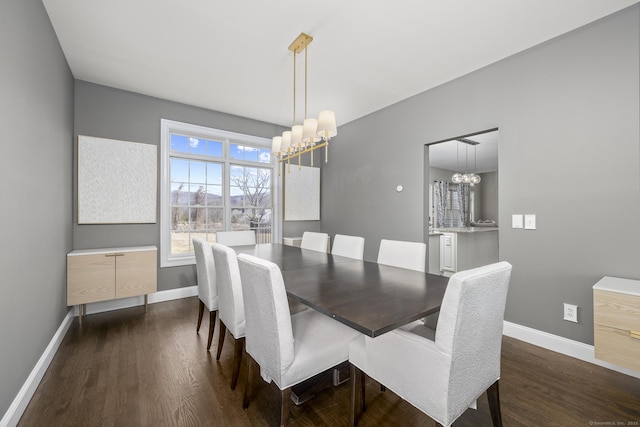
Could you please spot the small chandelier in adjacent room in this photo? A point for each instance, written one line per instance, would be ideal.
(466, 178)
(313, 133)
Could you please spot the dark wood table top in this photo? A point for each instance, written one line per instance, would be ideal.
(369, 297)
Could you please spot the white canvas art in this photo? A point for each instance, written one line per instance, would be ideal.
(302, 194)
(116, 181)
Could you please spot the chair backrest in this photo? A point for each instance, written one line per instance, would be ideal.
(206, 273)
(470, 330)
(348, 246)
(397, 253)
(236, 238)
(231, 305)
(269, 336)
(315, 241)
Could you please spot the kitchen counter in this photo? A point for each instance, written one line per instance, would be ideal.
(462, 230)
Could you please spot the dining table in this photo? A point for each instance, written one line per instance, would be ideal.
(369, 297)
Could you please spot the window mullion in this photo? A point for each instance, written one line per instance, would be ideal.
(226, 190)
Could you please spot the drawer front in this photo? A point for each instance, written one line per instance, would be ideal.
(616, 310)
(617, 346)
(90, 278)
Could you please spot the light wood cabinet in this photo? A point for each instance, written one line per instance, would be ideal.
(297, 242)
(616, 316)
(292, 241)
(104, 274)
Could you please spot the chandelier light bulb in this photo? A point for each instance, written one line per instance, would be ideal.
(276, 143)
(310, 131)
(456, 178)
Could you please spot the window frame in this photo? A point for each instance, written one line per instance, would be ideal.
(167, 127)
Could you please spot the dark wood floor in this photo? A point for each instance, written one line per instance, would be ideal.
(128, 368)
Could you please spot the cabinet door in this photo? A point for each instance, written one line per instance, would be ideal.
(90, 278)
(135, 273)
(448, 252)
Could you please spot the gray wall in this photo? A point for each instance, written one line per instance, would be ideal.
(36, 108)
(567, 111)
(111, 113)
(490, 200)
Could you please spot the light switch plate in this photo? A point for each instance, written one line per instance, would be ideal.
(530, 222)
(517, 221)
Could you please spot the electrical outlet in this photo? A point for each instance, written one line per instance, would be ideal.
(571, 312)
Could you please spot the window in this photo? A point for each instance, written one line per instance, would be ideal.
(450, 204)
(213, 180)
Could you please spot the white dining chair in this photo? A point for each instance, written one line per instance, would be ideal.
(397, 253)
(442, 372)
(236, 238)
(315, 241)
(207, 289)
(288, 349)
(348, 246)
(231, 304)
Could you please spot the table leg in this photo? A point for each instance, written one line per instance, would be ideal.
(307, 390)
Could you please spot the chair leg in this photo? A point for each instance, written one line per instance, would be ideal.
(248, 384)
(238, 345)
(212, 324)
(285, 398)
(221, 334)
(493, 395)
(363, 377)
(357, 394)
(200, 313)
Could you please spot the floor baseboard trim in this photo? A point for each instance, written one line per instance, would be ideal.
(561, 345)
(19, 404)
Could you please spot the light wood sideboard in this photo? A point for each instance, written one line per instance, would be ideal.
(616, 317)
(297, 242)
(110, 273)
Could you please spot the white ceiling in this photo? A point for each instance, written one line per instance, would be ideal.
(232, 56)
(460, 157)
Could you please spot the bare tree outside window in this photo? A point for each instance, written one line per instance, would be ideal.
(252, 200)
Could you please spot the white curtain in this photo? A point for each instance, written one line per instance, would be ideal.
(441, 197)
(451, 203)
(463, 200)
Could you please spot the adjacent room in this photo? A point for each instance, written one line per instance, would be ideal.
(315, 214)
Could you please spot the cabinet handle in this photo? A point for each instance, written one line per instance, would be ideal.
(116, 254)
(634, 334)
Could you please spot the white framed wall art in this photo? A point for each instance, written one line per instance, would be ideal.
(117, 181)
(302, 194)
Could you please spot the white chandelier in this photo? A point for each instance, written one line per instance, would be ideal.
(466, 178)
(313, 133)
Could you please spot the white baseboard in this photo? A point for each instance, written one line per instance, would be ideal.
(19, 404)
(561, 345)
